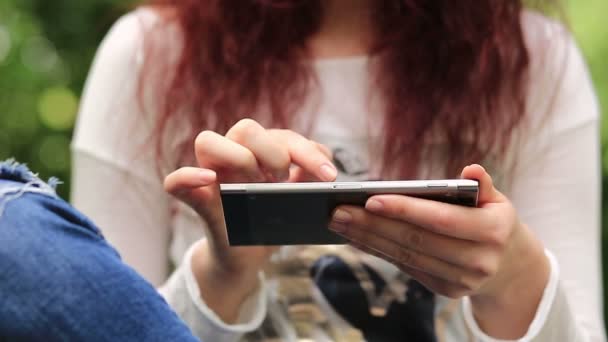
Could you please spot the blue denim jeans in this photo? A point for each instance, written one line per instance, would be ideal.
(61, 281)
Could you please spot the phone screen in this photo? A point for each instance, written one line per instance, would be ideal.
(284, 219)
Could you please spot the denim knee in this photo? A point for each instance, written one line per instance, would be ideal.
(43, 247)
(60, 280)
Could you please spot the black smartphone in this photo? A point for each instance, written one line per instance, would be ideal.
(299, 213)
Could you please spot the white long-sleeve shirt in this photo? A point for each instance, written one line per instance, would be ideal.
(555, 184)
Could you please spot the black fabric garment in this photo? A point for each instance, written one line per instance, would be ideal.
(412, 320)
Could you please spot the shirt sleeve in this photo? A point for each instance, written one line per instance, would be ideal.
(551, 307)
(556, 191)
(132, 213)
(183, 294)
(116, 181)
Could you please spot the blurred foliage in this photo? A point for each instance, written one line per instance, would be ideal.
(592, 35)
(46, 48)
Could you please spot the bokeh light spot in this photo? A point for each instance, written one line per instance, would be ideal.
(54, 153)
(57, 107)
(39, 54)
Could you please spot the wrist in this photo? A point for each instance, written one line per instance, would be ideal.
(514, 295)
(223, 290)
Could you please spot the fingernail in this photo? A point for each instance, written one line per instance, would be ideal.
(342, 216)
(481, 167)
(207, 176)
(340, 220)
(373, 205)
(328, 172)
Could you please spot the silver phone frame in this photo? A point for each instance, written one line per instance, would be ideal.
(371, 187)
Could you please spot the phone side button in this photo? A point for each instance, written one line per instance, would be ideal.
(347, 186)
(437, 185)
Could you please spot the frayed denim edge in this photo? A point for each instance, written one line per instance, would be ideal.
(12, 170)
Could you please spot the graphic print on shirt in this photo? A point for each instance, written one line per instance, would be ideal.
(385, 316)
(348, 162)
(350, 156)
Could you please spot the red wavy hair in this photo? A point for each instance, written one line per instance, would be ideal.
(455, 69)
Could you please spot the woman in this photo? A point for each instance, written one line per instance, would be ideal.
(395, 89)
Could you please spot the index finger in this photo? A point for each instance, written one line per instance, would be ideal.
(461, 222)
(269, 152)
(308, 155)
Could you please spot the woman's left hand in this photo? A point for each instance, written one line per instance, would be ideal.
(485, 252)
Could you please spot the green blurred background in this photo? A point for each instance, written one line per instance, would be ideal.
(46, 48)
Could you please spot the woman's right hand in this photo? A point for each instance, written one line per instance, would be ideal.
(247, 153)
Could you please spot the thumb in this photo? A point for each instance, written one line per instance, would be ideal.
(198, 188)
(487, 192)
